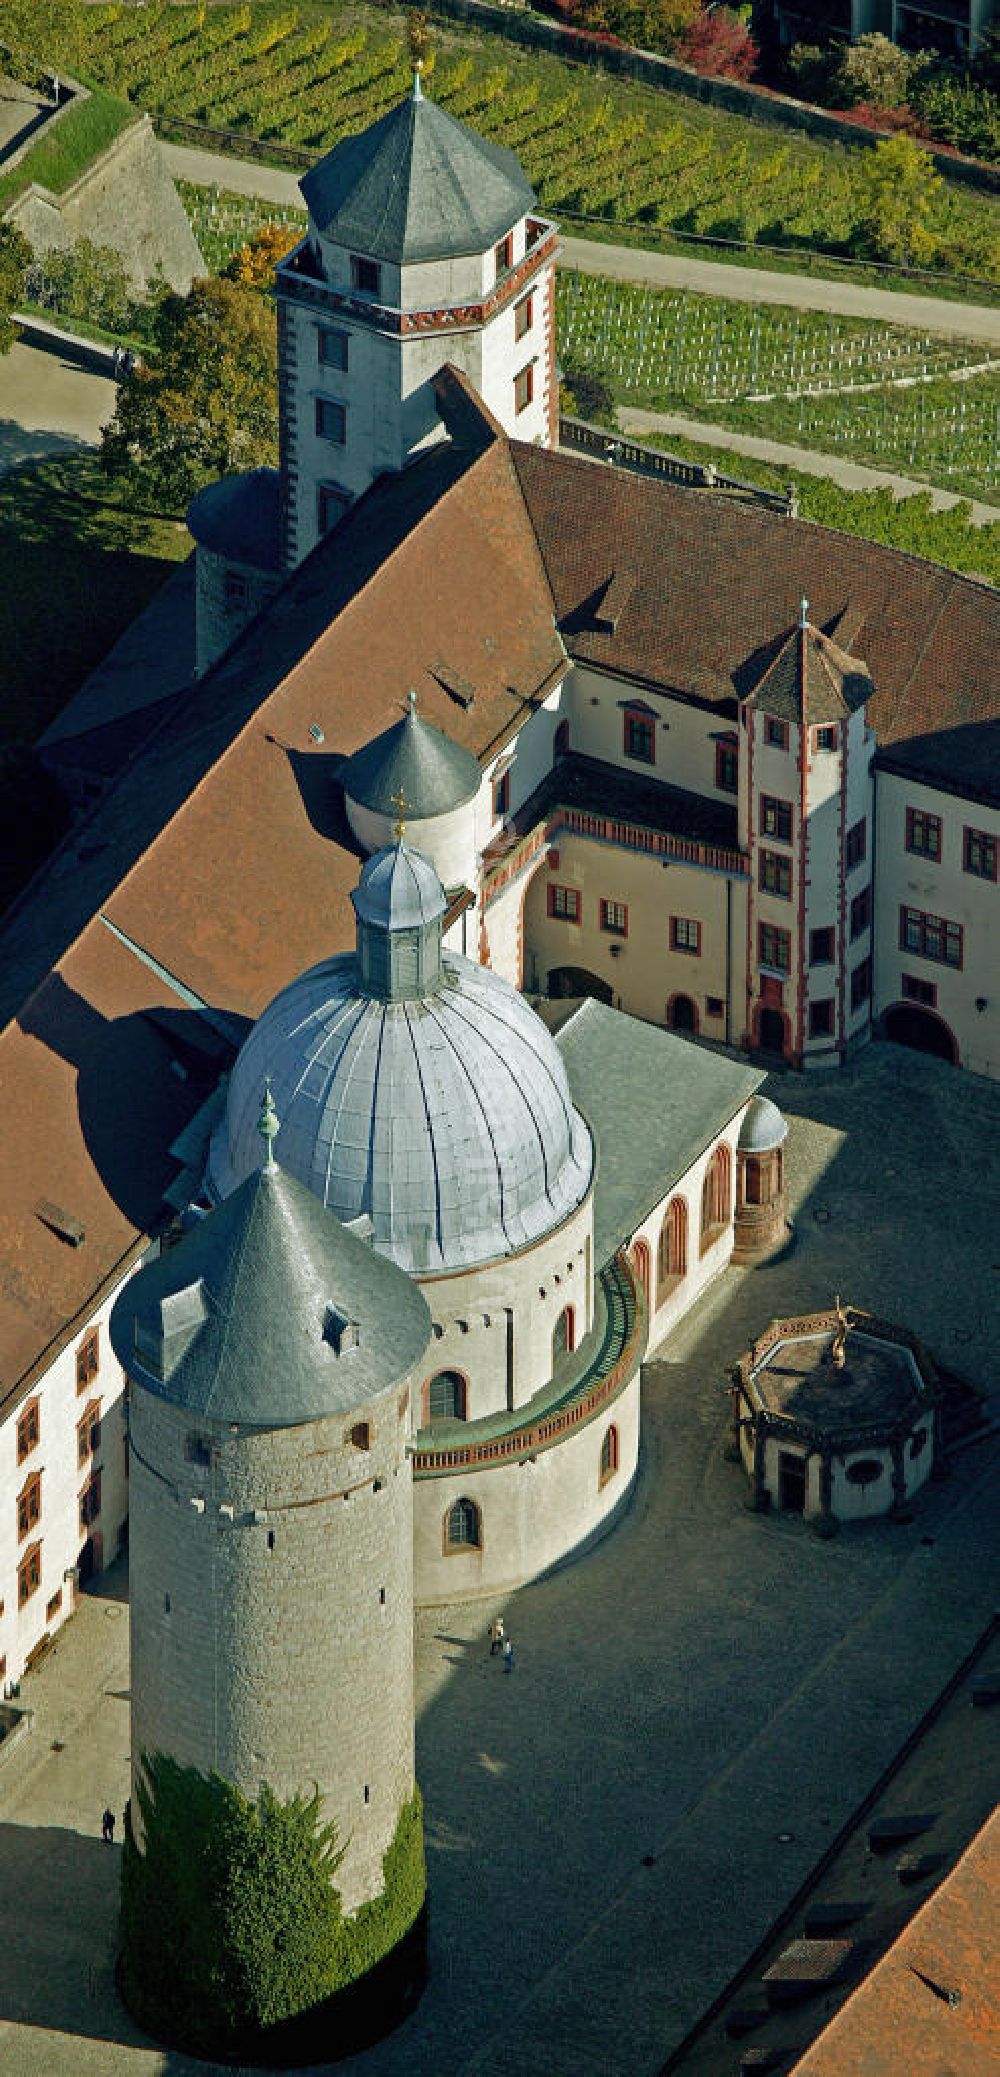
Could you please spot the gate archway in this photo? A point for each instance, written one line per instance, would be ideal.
(910, 1024)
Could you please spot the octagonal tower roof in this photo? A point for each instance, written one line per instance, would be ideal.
(417, 185)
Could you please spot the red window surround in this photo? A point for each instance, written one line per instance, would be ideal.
(775, 818)
(640, 735)
(916, 990)
(775, 875)
(524, 387)
(685, 935)
(564, 903)
(861, 912)
(923, 834)
(825, 739)
(775, 733)
(931, 937)
(979, 854)
(774, 947)
(523, 315)
(614, 918)
(501, 795)
(727, 765)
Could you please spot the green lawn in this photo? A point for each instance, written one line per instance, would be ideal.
(78, 566)
(309, 75)
(64, 150)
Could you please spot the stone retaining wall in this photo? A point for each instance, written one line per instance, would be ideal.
(125, 199)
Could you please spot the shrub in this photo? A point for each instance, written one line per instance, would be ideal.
(15, 254)
(896, 188)
(877, 71)
(719, 43)
(254, 264)
(85, 281)
(812, 67)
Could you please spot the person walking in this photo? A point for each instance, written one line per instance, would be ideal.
(108, 1827)
(508, 1656)
(496, 1636)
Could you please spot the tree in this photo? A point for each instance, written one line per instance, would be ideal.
(205, 404)
(719, 43)
(254, 264)
(876, 71)
(896, 188)
(15, 256)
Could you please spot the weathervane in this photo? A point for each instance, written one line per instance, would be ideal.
(398, 801)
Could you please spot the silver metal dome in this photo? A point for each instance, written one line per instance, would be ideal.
(446, 1120)
(399, 890)
(763, 1127)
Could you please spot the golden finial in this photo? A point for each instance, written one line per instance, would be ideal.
(398, 801)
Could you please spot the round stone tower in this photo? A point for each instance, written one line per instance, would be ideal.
(271, 1355)
(440, 784)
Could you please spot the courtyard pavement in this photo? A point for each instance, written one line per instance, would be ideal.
(696, 1707)
(49, 404)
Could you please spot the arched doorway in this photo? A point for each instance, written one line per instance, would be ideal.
(565, 981)
(771, 1028)
(682, 1014)
(909, 1024)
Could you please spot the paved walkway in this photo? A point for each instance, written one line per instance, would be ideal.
(660, 270)
(852, 475)
(697, 1705)
(49, 404)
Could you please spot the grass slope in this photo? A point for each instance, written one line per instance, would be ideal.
(65, 150)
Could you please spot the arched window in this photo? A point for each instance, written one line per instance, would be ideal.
(560, 741)
(463, 1527)
(671, 1260)
(716, 1197)
(563, 1336)
(752, 1180)
(446, 1396)
(640, 1263)
(609, 1454)
(361, 1435)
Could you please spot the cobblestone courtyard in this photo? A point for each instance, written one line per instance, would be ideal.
(608, 1829)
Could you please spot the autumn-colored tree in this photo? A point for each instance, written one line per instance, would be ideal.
(719, 43)
(896, 188)
(205, 403)
(15, 255)
(254, 264)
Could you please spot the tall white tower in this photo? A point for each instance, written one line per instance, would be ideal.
(805, 816)
(271, 1356)
(424, 246)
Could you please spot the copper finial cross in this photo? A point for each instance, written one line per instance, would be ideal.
(398, 801)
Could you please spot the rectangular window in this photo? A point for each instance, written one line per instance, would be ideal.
(776, 874)
(774, 947)
(640, 737)
(88, 1433)
(29, 1574)
(980, 854)
(503, 254)
(333, 503)
(685, 935)
(714, 1006)
(333, 348)
(614, 917)
(523, 316)
(90, 1502)
(52, 1607)
(27, 1430)
(930, 936)
(331, 421)
(861, 912)
(501, 795)
(855, 844)
(861, 984)
(366, 275)
(564, 902)
(916, 990)
(775, 733)
(235, 591)
(29, 1506)
(524, 387)
(727, 766)
(88, 1359)
(923, 834)
(826, 739)
(776, 818)
(821, 946)
(821, 1018)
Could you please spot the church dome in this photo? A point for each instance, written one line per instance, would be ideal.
(413, 760)
(763, 1128)
(437, 1111)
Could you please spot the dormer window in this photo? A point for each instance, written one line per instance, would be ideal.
(503, 254)
(366, 276)
(339, 1330)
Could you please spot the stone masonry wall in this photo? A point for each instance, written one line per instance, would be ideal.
(127, 200)
(272, 1595)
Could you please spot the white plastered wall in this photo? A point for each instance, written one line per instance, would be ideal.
(946, 890)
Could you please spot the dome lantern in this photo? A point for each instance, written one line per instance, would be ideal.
(399, 904)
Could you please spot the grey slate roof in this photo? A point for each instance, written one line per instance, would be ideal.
(417, 185)
(433, 773)
(399, 890)
(446, 1120)
(240, 1311)
(238, 517)
(654, 1101)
